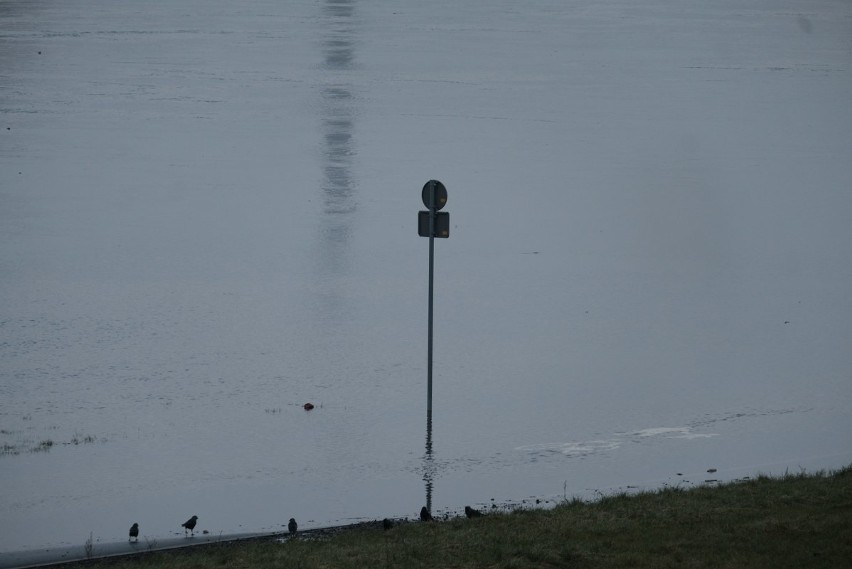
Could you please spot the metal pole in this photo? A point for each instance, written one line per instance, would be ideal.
(431, 278)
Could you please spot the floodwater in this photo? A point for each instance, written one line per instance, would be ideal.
(208, 218)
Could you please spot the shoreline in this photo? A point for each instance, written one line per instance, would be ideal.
(76, 554)
(794, 520)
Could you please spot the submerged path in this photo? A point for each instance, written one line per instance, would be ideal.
(74, 553)
(77, 552)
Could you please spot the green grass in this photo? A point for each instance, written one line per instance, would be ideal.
(794, 521)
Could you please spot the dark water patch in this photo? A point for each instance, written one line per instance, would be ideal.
(20, 444)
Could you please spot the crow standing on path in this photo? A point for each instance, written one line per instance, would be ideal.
(471, 513)
(425, 516)
(293, 526)
(189, 525)
(134, 532)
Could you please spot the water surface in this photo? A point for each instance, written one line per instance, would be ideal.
(208, 218)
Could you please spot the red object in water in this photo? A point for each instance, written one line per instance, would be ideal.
(308, 406)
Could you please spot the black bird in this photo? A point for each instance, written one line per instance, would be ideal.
(425, 516)
(387, 524)
(471, 513)
(293, 526)
(134, 532)
(189, 524)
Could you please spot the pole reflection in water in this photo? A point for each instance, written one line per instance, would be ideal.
(428, 462)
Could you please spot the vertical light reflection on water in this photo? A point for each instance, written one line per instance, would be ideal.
(337, 120)
(338, 114)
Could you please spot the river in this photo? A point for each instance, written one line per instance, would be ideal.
(208, 219)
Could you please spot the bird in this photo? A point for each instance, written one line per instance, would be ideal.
(134, 532)
(189, 525)
(293, 526)
(425, 516)
(471, 513)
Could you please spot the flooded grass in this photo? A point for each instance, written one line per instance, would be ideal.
(43, 446)
(793, 521)
(83, 440)
(20, 444)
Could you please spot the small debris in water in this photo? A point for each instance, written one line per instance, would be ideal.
(711, 470)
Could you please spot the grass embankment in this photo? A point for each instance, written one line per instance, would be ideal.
(794, 521)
